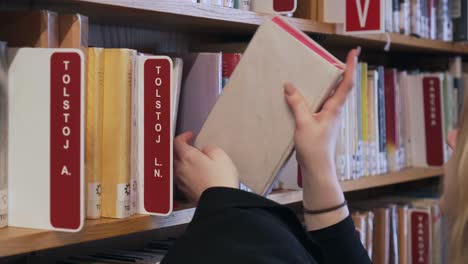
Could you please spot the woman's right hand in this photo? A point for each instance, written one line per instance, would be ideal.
(315, 140)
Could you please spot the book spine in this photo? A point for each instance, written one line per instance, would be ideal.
(229, 3)
(364, 120)
(415, 17)
(405, 17)
(396, 15)
(388, 15)
(358, 108)
(391, 119)
(3, 136)
(370, 234)
(118, 82)
(382, 121)
(229, 63)
(445, 27)
(217, 2)
(420, 236)
(93, 139)
(244, 4)
(403, 234)
(460, 24)
(436, 224)
(376, 152)
(433, 19)
(433, 120)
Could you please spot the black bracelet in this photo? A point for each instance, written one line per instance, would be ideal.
(321, 211)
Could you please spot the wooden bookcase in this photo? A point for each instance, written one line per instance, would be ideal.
(185, 16)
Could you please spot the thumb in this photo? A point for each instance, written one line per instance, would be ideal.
(297, 104)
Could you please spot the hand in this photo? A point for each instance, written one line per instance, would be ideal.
(315, 141)
(196, 171)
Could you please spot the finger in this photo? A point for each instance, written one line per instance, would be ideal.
(181, 145)
(213, 152)
(452, 138)
(297, 104)
(336, 102)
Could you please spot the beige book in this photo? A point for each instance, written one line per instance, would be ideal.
(381, 252)
(251, 120)
(93, 130)
(118, 82)
(360, 222)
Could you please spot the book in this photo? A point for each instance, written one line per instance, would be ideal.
(460, 24)
(396, 15)
(201, 87)
(29, 28)
(283, 7)
(116, 132)
(229, 63)
(258, 87)
(307, 9)
(382, 121)
(331, 11)
(405, 17)
(3, 136)
(420, 235)
(445, 29)
(427, 145)
(364, 117)
(178, 64)
(370, 234)
(359, 220)
(402, 211)
(415, 11)
(73, 31)
(381, 239)
(93, 132)
(152, 137)
(46, 131)
(391, 119)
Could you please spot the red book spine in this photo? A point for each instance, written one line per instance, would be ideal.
(433, 121)
(230, 61)
(420, 237)
(390, 110)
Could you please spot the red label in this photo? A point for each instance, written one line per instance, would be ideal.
(283, 5)
(157, 136)
(65, 140)
(363, 15)
(433, 121)
(307, 42)
(420, 236)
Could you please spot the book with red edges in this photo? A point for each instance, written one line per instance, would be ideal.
(152, 134)
(251, 120)
(230, 61)
(46, 138)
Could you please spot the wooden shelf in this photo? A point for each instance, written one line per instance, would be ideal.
(22, 240)
(183, 15)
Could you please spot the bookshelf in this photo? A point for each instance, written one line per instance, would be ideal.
(16, 241)
(187, 16)
(184, 16)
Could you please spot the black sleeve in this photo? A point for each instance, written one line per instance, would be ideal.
(232, 226)
(340, 243)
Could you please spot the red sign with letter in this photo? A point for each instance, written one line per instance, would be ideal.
(65, 140)
(157, 136)
(364, 16)
(433, 121)
(284, 5)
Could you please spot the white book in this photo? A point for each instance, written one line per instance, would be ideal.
(152, 139)
(415, 17)
(426, 116)
(217, 2)
(229, 3)
(252, 117)
(46, 132)
(345, 130)
(388, 15)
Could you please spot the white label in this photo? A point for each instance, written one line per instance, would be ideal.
(244, 5)
(93, 205)
(123, 205)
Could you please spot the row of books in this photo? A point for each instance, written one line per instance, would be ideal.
(238, 4)
(445, 20)
(401, 230)
(393, 120)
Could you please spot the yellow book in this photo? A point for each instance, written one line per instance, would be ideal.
(118, 82)
(93, 131)
(364, 118)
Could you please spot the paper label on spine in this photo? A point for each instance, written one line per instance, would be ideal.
(123, 208)
(93, 206)
(65, 140)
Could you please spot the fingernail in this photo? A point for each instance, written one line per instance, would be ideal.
(358, 51)
(289, 89)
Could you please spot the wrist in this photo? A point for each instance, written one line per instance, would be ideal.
(320, 221)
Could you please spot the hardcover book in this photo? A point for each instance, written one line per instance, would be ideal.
(251, 120)
(46, 138)
(3, 136)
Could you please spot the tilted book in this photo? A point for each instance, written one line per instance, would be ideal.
(46, 138)
(251, 120)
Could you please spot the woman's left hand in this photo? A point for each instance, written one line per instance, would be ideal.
(196, 171)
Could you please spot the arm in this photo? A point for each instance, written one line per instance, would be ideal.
(232, 226)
